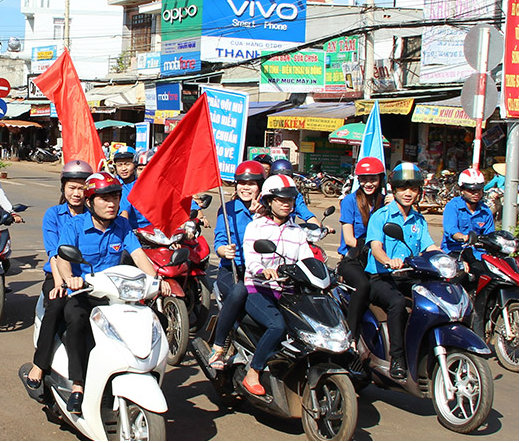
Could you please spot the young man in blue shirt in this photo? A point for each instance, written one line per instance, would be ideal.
(101, 235)
(387, 254)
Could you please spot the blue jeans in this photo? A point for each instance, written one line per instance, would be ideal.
(234, 296)
(263, 309)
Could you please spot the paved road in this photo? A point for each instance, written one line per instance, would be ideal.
(194, 413)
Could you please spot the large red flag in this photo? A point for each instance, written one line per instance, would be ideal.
(60, 84)
(185, 164)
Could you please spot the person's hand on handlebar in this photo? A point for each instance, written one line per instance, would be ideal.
(74, 283)
(395, 263)
(270, 274)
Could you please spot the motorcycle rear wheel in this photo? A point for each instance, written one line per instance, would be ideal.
(337, 409)
(329, 188)
(507, 351)
(145, 425)
(471, 377)
(178, 329)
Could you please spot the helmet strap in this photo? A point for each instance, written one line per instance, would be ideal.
(103, 221)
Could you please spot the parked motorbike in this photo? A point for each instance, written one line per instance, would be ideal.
(41, 155)
(6, 219)
(498, 289)
(437, 192)
(305, 186)
(304, 379)
(493, 198)
(445, 358)
(123, 399)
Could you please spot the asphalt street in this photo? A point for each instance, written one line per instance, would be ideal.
(194, 411)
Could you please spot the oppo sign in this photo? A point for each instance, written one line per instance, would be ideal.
(174, 14)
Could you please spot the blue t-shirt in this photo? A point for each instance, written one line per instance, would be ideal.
(351, 215)
(416, 234)
(239, 217)
(498, 181)
(458, 218)
(101, 249)
(136, 219)
(53, 221)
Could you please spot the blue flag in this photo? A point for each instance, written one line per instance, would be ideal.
(372, 141)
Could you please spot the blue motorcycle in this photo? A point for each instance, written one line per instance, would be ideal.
(445, 358)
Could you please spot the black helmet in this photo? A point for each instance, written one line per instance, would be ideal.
(263, 158)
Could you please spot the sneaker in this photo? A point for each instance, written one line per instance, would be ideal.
(398, 369)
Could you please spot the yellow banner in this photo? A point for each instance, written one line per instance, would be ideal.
(310, 123)
(442, 115)
(403, 106)
(161, 116)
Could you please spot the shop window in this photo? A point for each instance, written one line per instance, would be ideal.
(141, 33)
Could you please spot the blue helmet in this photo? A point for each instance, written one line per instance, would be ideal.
(125, 152)
(406, 174)
(281, 166)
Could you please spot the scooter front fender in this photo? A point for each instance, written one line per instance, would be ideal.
(318, 371)
(141, 389)
(458, 336)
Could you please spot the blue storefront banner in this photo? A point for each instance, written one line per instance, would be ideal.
(229, 110)
(142, 136)
(180, 64)
(169, 97)
(281, 20)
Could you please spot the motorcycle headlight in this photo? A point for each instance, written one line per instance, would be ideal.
(454, 311)
(333, 339)
(102, 323)
(130, 289)
(445, 264)
(159, 238)
(498, 272)
(156, 330)
(508, 245)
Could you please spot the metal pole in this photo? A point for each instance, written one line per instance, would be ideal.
(370, 51)
(66, 36)
(511, 178)
(479, 99)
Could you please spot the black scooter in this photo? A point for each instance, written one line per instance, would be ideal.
(304, 379)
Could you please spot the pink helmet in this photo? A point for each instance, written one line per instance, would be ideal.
(471, 179)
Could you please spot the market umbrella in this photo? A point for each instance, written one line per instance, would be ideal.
(112, 124)
(351, 134)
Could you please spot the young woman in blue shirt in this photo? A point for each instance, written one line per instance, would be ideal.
(249, 178)
(356, 209)
(72, 203)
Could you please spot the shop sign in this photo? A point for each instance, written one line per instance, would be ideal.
(169, 125)
(277, 20)
(42, 57)
(40, 111)
(148, 62)
(142, 136)
(176, 47)
(309, 123)
(179, 64)
(339, 51)
(181, 19)
(301, 71)
(224, 49)
(169, 97)
(229, 111)
(276, 152)
(404, 106)
(150, 96)
(159, 117)
(510, 83)
(307, 147)
(442, 115)
(383, 76)
(33, 90)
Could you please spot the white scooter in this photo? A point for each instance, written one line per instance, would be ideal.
(123, 399)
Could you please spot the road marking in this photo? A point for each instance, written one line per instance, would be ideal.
(10, 182)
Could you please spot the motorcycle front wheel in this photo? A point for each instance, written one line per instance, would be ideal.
(336, 415)
(178, 329)
(144, 425)
(474, 392)
(507, 350)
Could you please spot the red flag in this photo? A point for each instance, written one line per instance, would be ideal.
(185, 164)
(60, 84)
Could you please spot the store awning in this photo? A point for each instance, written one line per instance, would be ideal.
(387, 106)
(256, 108)
(112, 124)
(16, 109)
(119, 96)
(19, 124)
(323, 116)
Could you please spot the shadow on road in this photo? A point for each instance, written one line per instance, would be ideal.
(19, 308)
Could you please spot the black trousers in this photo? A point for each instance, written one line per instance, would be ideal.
(353, 274)
(54, 313)
(387, 292)
(79, 340)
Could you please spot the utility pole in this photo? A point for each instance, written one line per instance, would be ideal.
(511, 178)
(369, 61)
(66, 35)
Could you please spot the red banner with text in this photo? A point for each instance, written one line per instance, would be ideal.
(511, 61)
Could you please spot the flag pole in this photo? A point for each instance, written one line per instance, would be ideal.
(228, 231)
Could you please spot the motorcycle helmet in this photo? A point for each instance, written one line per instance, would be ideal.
(471, 179)
(144, 158)
(406, 174)
(101, 183)
(126, 152)
(279, 186)
(369, 166)
(282, 166)
(250, 170)
(76, 169)
(263, 158)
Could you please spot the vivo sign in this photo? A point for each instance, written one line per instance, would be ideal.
(284, 11)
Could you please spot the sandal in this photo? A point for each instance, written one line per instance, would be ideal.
(216, 360)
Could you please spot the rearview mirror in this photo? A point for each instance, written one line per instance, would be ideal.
(179, 256)
(394, 231)
(329, 211)
(264, 246)
(71, 254)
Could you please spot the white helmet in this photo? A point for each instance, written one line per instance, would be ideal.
(279, 186)
(471, 179)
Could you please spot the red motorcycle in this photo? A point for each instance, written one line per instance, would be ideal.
(496, 297)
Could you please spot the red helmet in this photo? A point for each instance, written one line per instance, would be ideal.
(369, 166)
(250, 170)
(471, 179)
(101, 183)
(76, 169)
